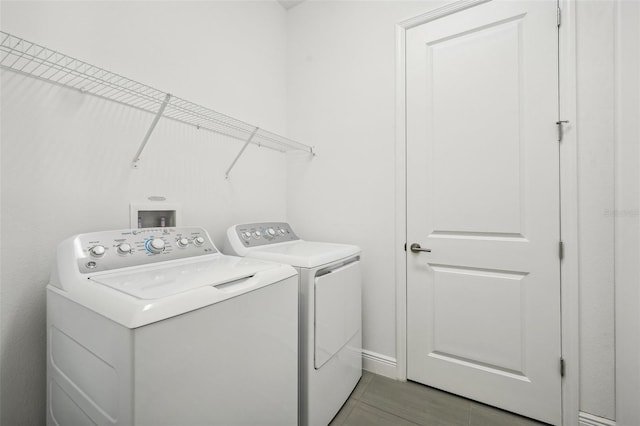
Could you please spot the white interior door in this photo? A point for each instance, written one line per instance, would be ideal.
(483, 195)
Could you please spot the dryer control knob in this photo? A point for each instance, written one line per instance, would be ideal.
(281, 231)
(155, 245)
(246, 235)
(271, 232)
(198, 241)
(182, 242)
(97, 251)
(124, 248)
(257, 234)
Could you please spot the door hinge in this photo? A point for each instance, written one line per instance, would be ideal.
(561, 129)
(561, 250)
(559, 20)
(562, 367)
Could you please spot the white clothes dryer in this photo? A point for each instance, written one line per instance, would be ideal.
(330, 311)
(156, 327)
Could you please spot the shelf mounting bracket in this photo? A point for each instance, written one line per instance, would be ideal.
(165, 102)
(235, 160)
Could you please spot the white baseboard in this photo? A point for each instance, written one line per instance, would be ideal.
(587, 419)
(379, 364)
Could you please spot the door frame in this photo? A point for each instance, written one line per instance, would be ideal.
(569, 300)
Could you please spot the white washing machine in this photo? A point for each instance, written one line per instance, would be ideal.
(156, 327)
(330, 311)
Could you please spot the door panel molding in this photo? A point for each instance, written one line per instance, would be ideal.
(440, 12)
(501, 236)
(568, 206)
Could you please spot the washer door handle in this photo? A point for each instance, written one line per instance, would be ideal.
(415, 247)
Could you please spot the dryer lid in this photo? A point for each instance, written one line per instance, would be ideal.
(304, 254)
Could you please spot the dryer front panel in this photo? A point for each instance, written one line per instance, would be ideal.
(338, 309)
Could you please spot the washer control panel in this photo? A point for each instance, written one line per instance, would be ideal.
(261, 234)
(104, 251)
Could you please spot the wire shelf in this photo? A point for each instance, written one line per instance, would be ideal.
(34, 60)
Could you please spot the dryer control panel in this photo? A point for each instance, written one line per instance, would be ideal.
(260, 234)
(108, 250)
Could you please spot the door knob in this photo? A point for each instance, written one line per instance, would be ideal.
(415, 247)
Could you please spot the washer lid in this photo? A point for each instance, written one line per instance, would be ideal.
(304, 254)
(168, 280)
(143, 295)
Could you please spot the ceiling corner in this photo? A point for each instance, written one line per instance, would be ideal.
(288, 4)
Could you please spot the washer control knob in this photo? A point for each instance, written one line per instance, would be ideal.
(182, 242)
(246, 235)
(198, 241)
(124, 248)
(257, 234)
(281, 231)
(271, 232)
(97, 251)
(155, 245)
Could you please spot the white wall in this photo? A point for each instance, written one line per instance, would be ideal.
(66, 156)
(608, 42)
(341, 98)
(595, 127)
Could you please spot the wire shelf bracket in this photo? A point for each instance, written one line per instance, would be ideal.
(40, 62)
(153, 126)
(235, 160)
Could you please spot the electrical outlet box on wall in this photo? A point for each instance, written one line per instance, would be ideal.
(154, 214)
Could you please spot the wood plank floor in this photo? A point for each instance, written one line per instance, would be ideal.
(380, 401)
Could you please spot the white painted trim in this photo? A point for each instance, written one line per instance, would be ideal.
(569, 269)
(627, 229)
(587, 419)
(400, 210)
(569, 205)
(379, 364)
